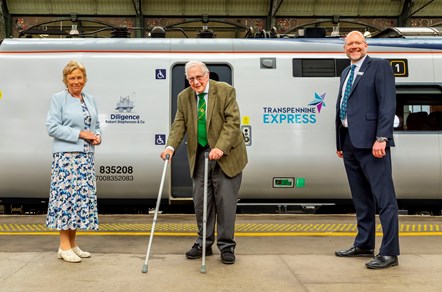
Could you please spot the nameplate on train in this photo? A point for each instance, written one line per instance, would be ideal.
(400, 67)
(283, 182)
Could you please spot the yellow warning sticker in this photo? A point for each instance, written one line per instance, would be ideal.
(245, 120)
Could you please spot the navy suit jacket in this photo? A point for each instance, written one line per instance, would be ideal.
(371, 105)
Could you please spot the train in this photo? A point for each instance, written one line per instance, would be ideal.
(286, 90)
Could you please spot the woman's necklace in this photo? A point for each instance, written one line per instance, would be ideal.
(79, 97)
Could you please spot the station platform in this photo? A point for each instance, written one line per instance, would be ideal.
(289, 252)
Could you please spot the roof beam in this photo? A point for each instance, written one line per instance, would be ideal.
(404, 17)
(139, 19)
(4, 20)
(423, 6)
(271, 15)
(137, 6)
(406, 14)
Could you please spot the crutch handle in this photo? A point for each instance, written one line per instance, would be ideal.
(167, 156)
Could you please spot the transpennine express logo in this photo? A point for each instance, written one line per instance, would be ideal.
(319, 101)
(295, 115)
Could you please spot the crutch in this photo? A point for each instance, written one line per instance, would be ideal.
(166, 162)
(206, 174)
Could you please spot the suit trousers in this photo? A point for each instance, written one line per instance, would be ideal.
(372, 189)
(222, 196)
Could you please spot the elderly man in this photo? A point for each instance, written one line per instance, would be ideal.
(207, 111)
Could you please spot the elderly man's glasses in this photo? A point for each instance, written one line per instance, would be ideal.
(193, 79)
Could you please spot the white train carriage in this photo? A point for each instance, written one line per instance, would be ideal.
(286, 90)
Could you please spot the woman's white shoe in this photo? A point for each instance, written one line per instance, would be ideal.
(80, 253)
(68, 256)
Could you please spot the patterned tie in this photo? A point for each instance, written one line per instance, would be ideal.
(202, 134)
(343, 110)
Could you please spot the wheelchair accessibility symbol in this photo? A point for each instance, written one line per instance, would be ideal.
(160, 139)
(160, 73)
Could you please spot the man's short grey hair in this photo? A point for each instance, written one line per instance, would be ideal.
(195, 63)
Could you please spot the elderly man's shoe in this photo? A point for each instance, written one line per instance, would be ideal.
(355, 251)
(382, 262)
(228, 256)
(196, 252)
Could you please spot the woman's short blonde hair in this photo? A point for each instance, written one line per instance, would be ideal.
(71, 67)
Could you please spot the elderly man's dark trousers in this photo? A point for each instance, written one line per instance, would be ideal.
(222, 196)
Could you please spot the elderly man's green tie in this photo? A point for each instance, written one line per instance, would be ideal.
(202, 134)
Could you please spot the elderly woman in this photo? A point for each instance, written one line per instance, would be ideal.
(72, 121)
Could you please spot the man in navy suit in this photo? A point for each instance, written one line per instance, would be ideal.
(364, 134)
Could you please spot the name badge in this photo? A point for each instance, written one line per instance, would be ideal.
(360, 73)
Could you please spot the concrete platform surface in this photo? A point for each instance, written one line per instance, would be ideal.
(294, 262)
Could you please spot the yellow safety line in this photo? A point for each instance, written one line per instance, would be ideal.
(243, 229)
(239, 234)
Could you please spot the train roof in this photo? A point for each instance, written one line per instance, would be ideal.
(150, 45)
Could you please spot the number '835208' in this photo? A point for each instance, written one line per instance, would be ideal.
(116, 169)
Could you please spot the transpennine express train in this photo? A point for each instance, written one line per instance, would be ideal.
(286, 90)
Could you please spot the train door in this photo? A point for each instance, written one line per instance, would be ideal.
(181, 182)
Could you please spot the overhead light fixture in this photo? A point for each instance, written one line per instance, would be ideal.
(335, 32)
(367, 33)
(206, 33)
(74, 30)
(158, 32)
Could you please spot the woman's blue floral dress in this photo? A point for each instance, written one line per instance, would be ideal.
(72, 199)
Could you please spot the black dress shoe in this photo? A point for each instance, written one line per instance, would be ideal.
(196, 252)
(355, 251)
(228, 256)
(382, 262)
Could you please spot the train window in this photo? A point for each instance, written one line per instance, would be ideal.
(341, 64)
(319, 67)
(419, 108)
